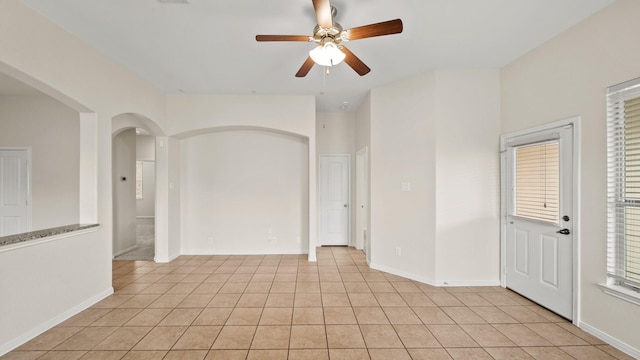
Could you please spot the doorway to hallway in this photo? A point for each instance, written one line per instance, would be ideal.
(134, 195)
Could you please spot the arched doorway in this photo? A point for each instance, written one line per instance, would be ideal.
(134, 192)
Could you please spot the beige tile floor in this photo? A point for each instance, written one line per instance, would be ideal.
(283, 307)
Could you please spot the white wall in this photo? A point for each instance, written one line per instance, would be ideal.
(362, 136)
(467, 176)
(52, 130)
(46, 283)
(164, 224)
(145, 148)
(244, 192)
(124, 191)
(174, 213)
(567, 77)
(403, 150)
(438, 133)
(335, 134)
(146, 152)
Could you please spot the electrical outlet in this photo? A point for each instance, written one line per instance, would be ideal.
(210, 239)
(398, 251)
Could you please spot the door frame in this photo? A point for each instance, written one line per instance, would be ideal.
(29, 192)
(362, 199)
(576, 126)
(349, 203)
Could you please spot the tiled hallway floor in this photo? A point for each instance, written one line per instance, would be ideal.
(283, 307)
(142, 252)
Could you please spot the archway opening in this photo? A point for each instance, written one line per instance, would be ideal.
(134, 187)
(49, 141)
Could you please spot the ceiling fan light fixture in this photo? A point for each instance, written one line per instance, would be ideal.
(327, 54)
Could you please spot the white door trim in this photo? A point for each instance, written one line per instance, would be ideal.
(576, 124)
(29, 193)
(349, 207)
(362, 191)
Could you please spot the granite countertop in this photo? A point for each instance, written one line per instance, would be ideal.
(33, 235)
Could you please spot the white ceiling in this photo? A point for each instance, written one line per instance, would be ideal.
(209, 47)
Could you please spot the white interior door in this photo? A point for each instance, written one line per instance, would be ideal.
(334, 199)
(14, 192)
(539, 214)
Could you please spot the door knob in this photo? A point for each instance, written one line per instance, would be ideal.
(564, 232)
(345, 205)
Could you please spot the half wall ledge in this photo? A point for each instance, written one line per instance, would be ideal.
(22, 238)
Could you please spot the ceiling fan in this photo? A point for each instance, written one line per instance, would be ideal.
(330, 36)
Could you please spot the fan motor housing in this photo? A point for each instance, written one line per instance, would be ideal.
(335, 34)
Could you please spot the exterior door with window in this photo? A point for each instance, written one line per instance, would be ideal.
(539, 239)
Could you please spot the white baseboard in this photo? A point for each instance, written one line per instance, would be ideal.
(627, 349)
(403, 274)
(22, 339)
(125, 250)
(468, 283)
(242, 252)
(167, 259)
(434, 282)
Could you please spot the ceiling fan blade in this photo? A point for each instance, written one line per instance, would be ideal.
(304, 70)
(378, 29)
(354, 62)
(282, 38)
(323, 13)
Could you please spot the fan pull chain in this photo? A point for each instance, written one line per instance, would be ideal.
(324, 79)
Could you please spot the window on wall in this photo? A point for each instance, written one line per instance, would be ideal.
(623, 193)
(139, 166)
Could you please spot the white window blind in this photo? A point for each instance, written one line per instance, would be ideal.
(139, 167)
(537, 181)
(623, 180)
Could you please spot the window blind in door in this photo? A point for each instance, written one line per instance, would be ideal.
(537, 168)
